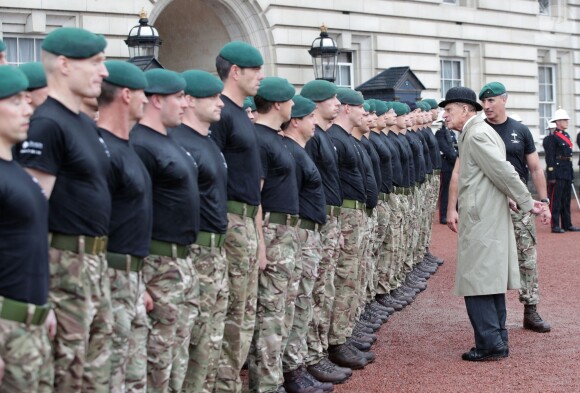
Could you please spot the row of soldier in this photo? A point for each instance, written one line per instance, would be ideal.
(183, 239)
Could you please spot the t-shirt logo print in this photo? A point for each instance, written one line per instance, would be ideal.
(514, 137)
(105, 147)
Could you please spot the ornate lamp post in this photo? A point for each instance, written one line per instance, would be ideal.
(144, 42)
(324, 54)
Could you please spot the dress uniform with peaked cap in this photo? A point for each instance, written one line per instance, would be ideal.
(65, 144)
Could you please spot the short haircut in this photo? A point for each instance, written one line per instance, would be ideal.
(263, 106)
(223, 67)
(108, 93)
(285, 125)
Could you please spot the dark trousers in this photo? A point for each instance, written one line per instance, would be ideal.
(487, 315)
(444, 194)
(560, 198)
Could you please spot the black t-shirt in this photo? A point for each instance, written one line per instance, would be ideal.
(448, 146)
(370, 183)
(212, 179)
(426, 155)
(396, 166)
(375, 161)
(417, 154)
(280, 192)
(173, 174)
(23, 236)
(350, 165)
(68, 146)
(385, 160)
(323, 153)
(433, 147)
(310, 192)
(407, 153)
(235, 135)
(132, 203)
(518, 141)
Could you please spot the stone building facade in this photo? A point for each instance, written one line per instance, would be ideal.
(532, 46)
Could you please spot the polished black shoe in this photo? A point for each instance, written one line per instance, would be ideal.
(443, 221)
(573, 229)
(557, 230)
(326, 371)
(478, 355)
(343, 355)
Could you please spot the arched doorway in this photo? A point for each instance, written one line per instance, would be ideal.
(193, 31)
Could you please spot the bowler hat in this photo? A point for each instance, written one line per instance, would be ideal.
(461, 94)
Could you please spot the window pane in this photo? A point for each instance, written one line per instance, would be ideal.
(344, 75)
(446, 69)
(38, 49)
(25, 50)
(456, 70)
(11, 50)
(542, 74)
(549, 76)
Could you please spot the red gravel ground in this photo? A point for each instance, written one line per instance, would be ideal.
(419, 348)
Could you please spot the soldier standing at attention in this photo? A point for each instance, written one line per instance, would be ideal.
(204, 106)
(239, 66)
(121, 106)
(352, 220)
(558, 148)
(25, 353)
(37, 89)
(277, 286)
(323, 153)
(168, 273)
(65, 152)
(521, 153)
(297, 132)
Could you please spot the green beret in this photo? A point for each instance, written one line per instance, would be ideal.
(2, 46)
(12, 81)
(319, 90)
(302, 107)
(124, 74)
(423, 106)
(431, 102)
(276, 89)
(348, 96)
(491, 90)
(164, 82)
(242, 54)
(381, 107)
(389, 105)
(249, 103)
(35, 74)
(400, 108)
(372, 106)
(201, 84)
(366, 106)
(74, 43)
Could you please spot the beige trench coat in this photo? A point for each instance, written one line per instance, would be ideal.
(487, 261)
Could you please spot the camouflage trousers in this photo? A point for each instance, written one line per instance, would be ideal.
(434, 201)
(27, 357)
(309, 257)
(346, 279)
(411, 237)
(272, 315)
(81, 298)
(365, 268)
(389, 253)
(207, 335)
(424, 221)
(129, 344)
(323, 292)
(383, 217)
(525, 231)
(173, 286)
(242, 267)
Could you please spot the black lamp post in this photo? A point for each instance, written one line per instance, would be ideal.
(324, 54)
(144, 42)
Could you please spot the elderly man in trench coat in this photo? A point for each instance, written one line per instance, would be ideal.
(487, 263)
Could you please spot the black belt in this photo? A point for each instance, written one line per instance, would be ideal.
(281, 219)
(124, 262)
(166, 249)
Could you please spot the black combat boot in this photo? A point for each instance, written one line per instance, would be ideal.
(533, 321)
(296, 382)
(344, 356)
(326, 371)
